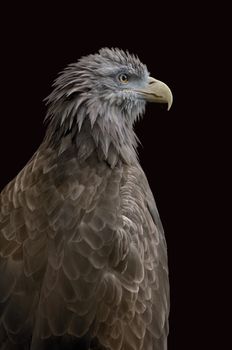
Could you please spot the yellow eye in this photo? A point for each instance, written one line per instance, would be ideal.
(123, 78)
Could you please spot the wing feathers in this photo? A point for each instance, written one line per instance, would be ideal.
(81, 253)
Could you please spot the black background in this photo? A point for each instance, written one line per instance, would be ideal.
(180, 150)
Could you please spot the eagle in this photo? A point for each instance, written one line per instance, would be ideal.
(83, 256)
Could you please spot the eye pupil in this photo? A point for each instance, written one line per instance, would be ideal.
(123, 78)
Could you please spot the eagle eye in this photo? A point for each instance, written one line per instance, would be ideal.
(123, 78)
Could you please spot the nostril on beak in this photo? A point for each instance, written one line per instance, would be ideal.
(151, 81)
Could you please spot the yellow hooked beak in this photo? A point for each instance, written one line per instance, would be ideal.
(156, 91)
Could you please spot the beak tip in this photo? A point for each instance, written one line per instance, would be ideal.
(170, 103)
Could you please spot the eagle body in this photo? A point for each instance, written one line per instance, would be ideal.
(83, 260)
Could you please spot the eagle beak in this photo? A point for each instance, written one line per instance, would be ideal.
(157, 91)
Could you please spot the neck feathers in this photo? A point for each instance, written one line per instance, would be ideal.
(106, 130)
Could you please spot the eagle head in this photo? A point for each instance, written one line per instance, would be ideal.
(98, 99)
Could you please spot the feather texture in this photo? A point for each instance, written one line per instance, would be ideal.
(82, 252)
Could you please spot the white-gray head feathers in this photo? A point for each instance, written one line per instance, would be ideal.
(96, 110)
